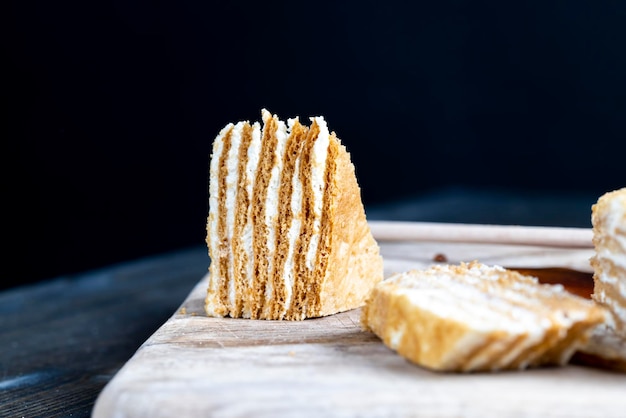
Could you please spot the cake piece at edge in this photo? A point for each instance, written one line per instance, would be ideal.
(472, 317)
(605, 349)
(286, 232)
(609, 261)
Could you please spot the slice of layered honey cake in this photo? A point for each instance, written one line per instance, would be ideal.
(474, 317)
(286, 231)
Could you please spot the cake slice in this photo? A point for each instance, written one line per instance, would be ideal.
(608, 218)
(286, 232)
(474, 317)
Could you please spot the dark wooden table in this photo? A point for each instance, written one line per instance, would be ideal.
(62, 340)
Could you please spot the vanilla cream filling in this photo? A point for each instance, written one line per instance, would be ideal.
(215, 277)
(464, 304)
(463, 348)
(218, 146)
(396, 335)
(615, 227)
(318, 171)
(254, 152)
(272, 201)
(614, 282)
(232, 179)
(525, 294)
(616, 213)
(603, 276)
(294, 230)
(607, 259)
(615, 307)
(616, 258)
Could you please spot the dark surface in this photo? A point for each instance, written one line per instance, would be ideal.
(111, 107)
(491, 206)
(62, 340)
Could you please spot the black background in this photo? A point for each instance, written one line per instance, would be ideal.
(111, 107)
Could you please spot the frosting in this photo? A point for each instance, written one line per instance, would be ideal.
(318, 183)
(293, 233)
(272, 200)
(218, 146)
(232, 178)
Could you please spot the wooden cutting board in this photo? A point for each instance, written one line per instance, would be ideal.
(199, 366)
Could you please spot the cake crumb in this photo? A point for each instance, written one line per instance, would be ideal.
(440, 258)
(183, 311)
(291, 353)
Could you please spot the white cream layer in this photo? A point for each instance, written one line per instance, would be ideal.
(215, 277)
(232, 180)
(294, 229)
(613, 226)
(254, 152)
(271, 205)
(318, 182)
(618, 310)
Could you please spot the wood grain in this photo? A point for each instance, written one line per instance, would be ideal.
(194, 365)
(62, 340)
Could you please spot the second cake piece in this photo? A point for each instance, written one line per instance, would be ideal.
(609, 262)
(474, 317)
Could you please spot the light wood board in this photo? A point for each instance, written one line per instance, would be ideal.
(329, 367)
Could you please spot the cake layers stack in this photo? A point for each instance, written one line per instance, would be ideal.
(609, 262)
(473, 317)
(286, 232)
